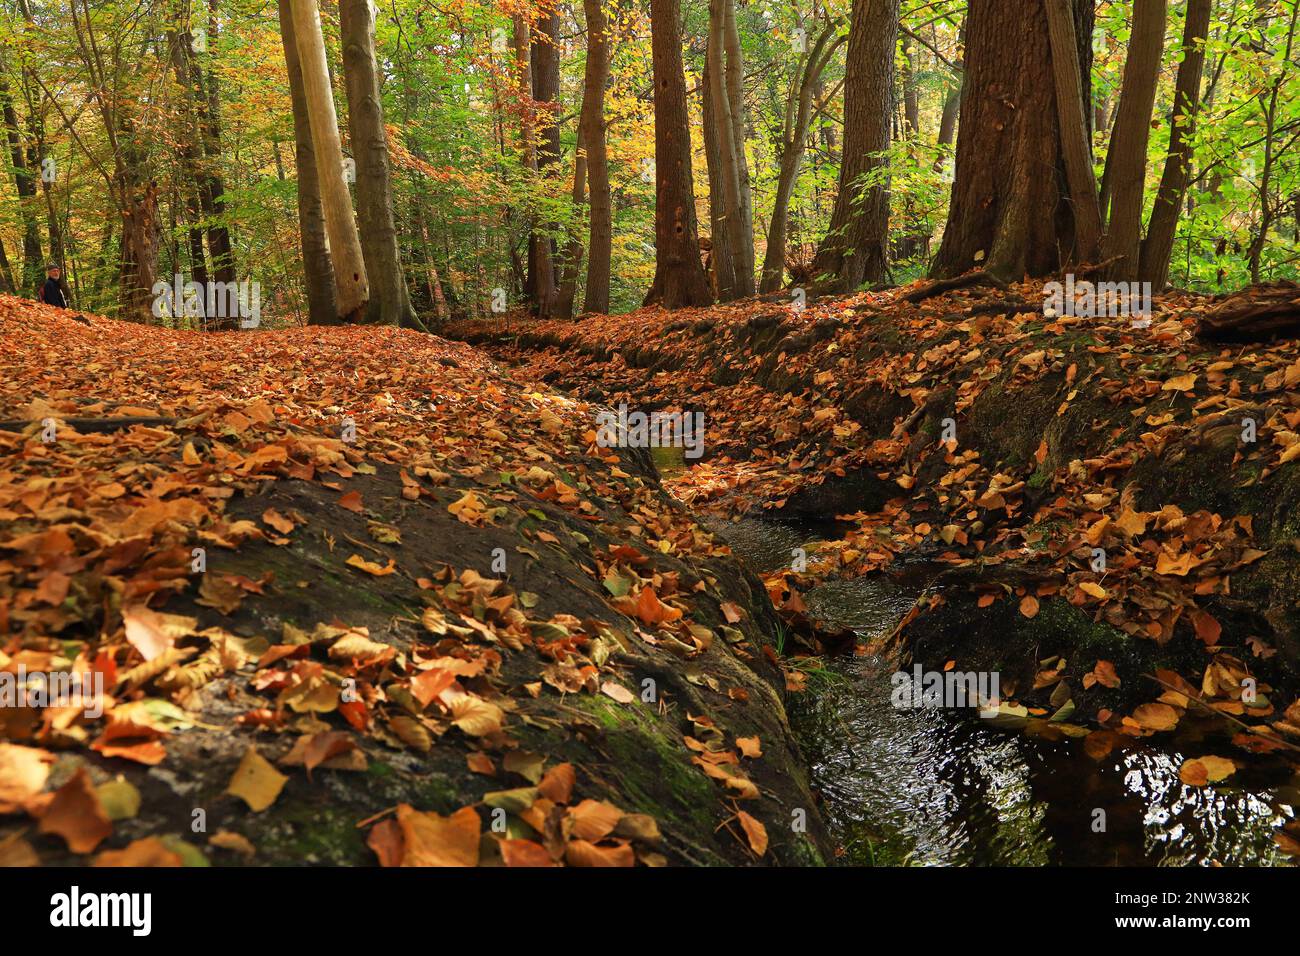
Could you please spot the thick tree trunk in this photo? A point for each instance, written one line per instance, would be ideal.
(855, 249)
(1010, 212)
(592, 136)
(390, 303)
(679, 275)
(340, 224)
(1127, 161)
(318, 265)
(1158, 246)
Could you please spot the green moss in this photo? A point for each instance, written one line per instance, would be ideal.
(653, 769)
(302, 832)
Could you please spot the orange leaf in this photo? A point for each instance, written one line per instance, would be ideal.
(433, 840)
(755, 831)
(76, 814)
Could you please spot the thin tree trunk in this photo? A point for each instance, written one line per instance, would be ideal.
(798, 115)
(390, 303)
(1127, 160)
(1158, 246)
(340, 224)
(592, 136)
(735, 72)
(572, 259)
(679, 275)
(25, 187)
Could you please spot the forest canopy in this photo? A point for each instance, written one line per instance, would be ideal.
(151, 140)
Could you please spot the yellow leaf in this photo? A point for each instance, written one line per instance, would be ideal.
(256, 782)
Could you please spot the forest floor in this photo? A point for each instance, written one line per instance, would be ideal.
(356, 595)
(432, 619)
(1111, 504)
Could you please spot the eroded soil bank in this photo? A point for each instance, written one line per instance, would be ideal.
(1113, 502)
(356, 595)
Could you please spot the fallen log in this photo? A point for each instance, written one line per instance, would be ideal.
(89, 424)
(1255, 314)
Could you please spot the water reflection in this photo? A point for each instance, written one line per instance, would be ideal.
(925, 787)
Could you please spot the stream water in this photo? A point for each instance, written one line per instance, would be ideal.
(926, 787)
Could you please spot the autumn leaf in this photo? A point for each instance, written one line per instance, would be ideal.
(76, 814)
(755, 832)
(371, 567)
(1028, 605)
(432, 840)
(152, 632)
(256, 782)
(653, 611)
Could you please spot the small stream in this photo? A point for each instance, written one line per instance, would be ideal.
(925, 787)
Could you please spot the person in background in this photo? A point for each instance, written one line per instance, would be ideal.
(52, 291)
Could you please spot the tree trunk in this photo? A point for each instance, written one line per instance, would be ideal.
(854, 250)
(572, 259)
(592, 136)
(679, 275)
(1010, 212)
(318, 265)
(390, 303)
(1158, 246)
(1076, 145)
(539, 278)
(735, 72)
(1127, 161)
(725, 216)
(340, 225)
(798, 115)
(25, 187)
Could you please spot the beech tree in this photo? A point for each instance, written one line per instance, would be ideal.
(679, 274)
(592, 141)
(318, 266)
(390, 302)
(855, 249)
(350, 276)
(1010, 211)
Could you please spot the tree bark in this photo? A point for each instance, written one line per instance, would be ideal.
(734, 75)
(350, 277)
(798, 115)
(592, 136)
(725, 215)
(1076, 145)
(318, 265)
(1010, 213)
(538, 140)
(679, 275)
(1127, 161)
(1158, 246)
(390, 302)
(25, 187)
(855, 249)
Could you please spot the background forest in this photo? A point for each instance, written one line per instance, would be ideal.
(148, 138)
